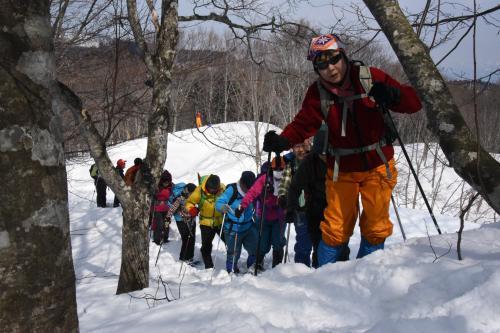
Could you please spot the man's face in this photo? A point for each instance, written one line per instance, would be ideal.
(300, 150)
(331, 66)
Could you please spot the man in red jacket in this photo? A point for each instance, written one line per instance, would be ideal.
(348, 98)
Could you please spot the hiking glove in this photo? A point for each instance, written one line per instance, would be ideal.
(282, 201)
(275, 143)
(384, 94)
(238, 212)
(193, 211)
(291, 216)
(224, 209)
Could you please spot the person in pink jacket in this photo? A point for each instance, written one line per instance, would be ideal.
(273, 228)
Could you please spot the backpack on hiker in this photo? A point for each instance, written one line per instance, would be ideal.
(94, 172)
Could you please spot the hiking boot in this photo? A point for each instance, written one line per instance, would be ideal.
(277, 257)
(260, 268)
(207, 259)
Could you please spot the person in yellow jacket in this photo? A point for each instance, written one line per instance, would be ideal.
(202, 202)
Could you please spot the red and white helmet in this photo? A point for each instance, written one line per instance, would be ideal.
(322, 43)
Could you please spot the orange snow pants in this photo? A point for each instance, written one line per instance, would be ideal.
(343, 205)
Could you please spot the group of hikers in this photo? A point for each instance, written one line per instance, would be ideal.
(341, 151)
(100, 183)
(251, 213)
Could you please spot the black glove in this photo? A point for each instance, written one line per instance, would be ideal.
(275, 143)
(282, 201)
(384, 94)
(238, 212)
(291, 216)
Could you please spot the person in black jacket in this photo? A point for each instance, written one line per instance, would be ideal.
(100, 186)
(310, 178)
(120, 166)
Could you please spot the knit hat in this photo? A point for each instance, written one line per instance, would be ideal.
(213, 183)
(190, 187)
(264, 167)
(247, 179)
(166, 177)
(137, 161)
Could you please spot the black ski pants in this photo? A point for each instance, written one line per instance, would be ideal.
(161, 231)
(207, 237)
(116, 202)
(100, 187)
(187, 229)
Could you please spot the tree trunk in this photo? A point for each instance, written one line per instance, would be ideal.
(134, 270)
(37, 280)
(467, 157)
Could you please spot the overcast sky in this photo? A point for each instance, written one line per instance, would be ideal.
(319, 12)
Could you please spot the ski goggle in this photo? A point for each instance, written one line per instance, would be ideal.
(327, 58)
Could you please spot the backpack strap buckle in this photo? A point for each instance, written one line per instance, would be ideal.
(340, 152)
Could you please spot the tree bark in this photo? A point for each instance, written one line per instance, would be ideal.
(467, 157)
(134, 269)
(37, 280)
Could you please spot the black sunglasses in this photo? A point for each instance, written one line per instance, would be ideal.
(326, 58)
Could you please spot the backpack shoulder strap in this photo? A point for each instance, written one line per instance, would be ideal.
(325, 99)
(365, 78)
(325, 108)
(202, 198)
(234, 195)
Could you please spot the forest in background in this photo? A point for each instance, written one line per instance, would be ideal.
(219, 79)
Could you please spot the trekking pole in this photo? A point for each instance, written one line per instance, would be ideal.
(287, 239)
(218, 243)
(92, 199)
(266, 185)
(158, 255)
(397, 216)
(234, 251)
(386, 111)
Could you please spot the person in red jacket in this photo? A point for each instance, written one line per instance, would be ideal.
(348, 97)
(160, 225)
(132, 171)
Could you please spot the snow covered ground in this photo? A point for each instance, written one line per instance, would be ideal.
(408, 287)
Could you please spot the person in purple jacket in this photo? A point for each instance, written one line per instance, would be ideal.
(273, 228)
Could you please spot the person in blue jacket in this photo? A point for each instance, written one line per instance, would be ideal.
(185, 224)
(237, 224)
